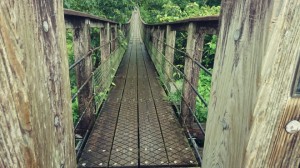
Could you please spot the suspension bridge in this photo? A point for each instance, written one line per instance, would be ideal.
(126, 118)
(137, 126)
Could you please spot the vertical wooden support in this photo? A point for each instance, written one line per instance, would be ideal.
(104, 40)
(83, 73)
(114, 32)
(169, 53)
(154, 45)
(35, 112)
(160, 48)
(105, 52)
(147, 35)
(251, 101)
(194, 47)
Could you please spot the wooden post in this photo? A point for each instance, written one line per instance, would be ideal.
(83, 73)
(147, 35)
(160, 48)
(104, 39)
(194, 49)
(105, 52)
(114, 32)
(154, 46)
(169, 53)
(251, 103)
(35, 112)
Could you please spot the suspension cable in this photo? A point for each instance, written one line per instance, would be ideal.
(185, 54)
(92, 50)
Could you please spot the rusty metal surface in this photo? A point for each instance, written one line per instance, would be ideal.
(125, 146)
(137, 127)
(152, 149)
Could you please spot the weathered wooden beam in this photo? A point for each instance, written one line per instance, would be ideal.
(95, 24)
(194, 48)
(160, 48)
(251, 103)
(35, 112)
(169, 52)
(105, 52)
(104, 42)
(82, 40)
(155, 45)
(114, 32)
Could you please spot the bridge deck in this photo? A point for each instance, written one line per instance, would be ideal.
(137, 126)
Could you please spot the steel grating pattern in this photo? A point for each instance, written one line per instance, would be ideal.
(125, 147)
(152, 149)
(136, 126)
(97, 150)
(178, 149)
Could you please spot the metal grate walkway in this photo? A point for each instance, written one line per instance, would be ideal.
(137, 126)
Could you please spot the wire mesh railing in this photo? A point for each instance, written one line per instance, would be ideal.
(101, 79)
(174, 80)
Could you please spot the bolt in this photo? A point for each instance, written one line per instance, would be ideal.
(45, 26)
(293, 127)
(236, 35)
(56, 121)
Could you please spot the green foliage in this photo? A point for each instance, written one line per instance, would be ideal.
(192, 10)
(209, 10)
(95, 42)
(88, 6)
(75, 110)
(118, 10)
(204, 90)
(209, 50)
(170, 12)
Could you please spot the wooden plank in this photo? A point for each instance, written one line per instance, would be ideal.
(251, 103)
(81, 42)
(36, 127)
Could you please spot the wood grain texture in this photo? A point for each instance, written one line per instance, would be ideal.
(194, 48)
(250, 102)
(169, 51)
(160, 46)
(36, 127)
(82, 45)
